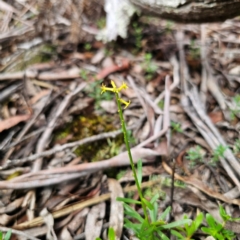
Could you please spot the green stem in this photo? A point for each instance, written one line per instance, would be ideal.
(130, 155)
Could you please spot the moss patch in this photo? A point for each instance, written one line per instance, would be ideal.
(83, 127)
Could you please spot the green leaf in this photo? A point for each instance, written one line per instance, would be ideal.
(139, 171)
(128, 200)
(111, 234)
(207, 230)
(193, 227)
(223, 214)
(1, 235)
(8, 235)
(155, 198)
(147, 203)
(135, 227)
(165, 213)
(147, 230)
(176, 224)
(210, 220)
(218, 227)
(98, 238)
(198, 221)
(162, 235)
(132, 213)
(153, 213)
(177, 234)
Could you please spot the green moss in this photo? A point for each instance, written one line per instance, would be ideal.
(83, 127)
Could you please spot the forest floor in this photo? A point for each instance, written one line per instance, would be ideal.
(63, 158)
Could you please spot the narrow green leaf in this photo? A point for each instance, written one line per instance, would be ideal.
(153, 213)
(191, 229)
(133, 226)
(176, 224)
(206, 230)
(132, 213)
(111, 234)
(8, 235)
(165, 213)
(154, 198)
(177, 234)
(147, 203)
(223, 213)
(139, 171)
(1, 235)
(210, 220)
(198, 221)
(128, 200)
(162, 235)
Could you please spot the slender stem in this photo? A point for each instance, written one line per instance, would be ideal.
(130, 155)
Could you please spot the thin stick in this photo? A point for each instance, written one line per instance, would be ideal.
(17, 232)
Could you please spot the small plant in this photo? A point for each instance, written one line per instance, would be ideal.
(149, 226)
(138, 35)
(111, 235)
(167, 181)
(6, 236)
(216, 229)
(149, 66)
(120, 174)
(236, 147)
(195, 155)
(176, 127)
(101, 23)
(194, 50)
(218, 153)
(189, 229)
(161, 104)
(131, 139)
(87, 46)
(169, 27)
(114, 148)
(235, 109)
(83, 74)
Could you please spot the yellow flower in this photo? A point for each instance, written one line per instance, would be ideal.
(125, 102)
(123, 86)
(116, 90)
(104, 89)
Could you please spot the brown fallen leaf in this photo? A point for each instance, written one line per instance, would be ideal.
(12, 121)
(114, 68)
(39, 96)
(216, 116)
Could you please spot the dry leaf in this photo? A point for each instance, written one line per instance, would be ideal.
(12, 121)
(116, 212)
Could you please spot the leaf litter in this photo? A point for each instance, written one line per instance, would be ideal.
(184, 92)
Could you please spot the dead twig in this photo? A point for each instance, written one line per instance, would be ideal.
(166, 118)
(59, 148)
(80, 205)
(17, 232)
(47, 133)
(58, 175)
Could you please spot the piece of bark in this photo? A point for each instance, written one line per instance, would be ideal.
(191, 11)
